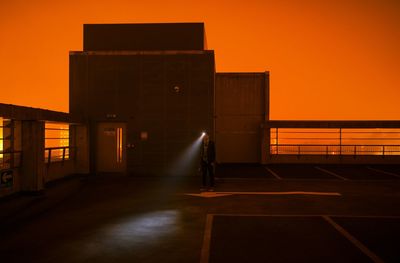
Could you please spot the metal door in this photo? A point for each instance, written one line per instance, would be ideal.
(111, 151)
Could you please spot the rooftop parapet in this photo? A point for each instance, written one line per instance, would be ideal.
(164, 36)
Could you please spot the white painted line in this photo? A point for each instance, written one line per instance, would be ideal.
(365, 216)
(205, 250)
(245, 178)
(310, 215)
(209, 194)
(220, 194)
(330, 173)
(383, 172)
(273, 173)
(284, 193)
(354, 240)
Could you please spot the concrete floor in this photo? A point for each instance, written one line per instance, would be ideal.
(112, 218)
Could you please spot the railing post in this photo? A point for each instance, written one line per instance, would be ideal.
(355, 150)
(340, 142)
(326, 150)
(49, 156)
(276, 142)
(383, 150)
(63, 156)
(298, 151)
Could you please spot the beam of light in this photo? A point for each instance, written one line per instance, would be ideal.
(148, 227)
(186, 160)
(134, 233)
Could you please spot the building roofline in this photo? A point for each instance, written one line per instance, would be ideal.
(158, 23)
(143, 52)
(10, 111)
(243, 73)
(332, 124)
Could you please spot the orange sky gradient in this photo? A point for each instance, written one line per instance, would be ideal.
(328, 59)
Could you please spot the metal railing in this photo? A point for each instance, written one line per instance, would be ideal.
(58, 154)
(10, 159)
(334, 149)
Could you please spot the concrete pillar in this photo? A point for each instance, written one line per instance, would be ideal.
(266, 132)
(8, 139)
(33, 166)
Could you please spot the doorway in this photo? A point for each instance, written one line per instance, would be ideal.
(111, 152)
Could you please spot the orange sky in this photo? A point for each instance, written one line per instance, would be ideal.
(329, 59)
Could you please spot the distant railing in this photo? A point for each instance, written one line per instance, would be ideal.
(317, 149)
(58, 154)
(10, 159)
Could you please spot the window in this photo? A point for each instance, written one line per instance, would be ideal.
(119, 145)
(8, 157)
(56, 142)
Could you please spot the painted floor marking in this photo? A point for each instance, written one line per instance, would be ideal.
(383, 172)
(273, 173)
(220, 194)
(354, 240)
(330, 173)
(205, 250)
(307, 215)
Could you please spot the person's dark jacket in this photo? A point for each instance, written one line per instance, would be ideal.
(210, 152)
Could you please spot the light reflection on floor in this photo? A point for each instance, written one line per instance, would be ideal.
(130, 234)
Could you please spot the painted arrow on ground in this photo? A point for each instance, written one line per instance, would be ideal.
(220, 194)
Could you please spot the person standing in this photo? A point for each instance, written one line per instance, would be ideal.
(207, 161)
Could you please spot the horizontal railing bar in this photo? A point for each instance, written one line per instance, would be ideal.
(396, 145)
(61, 147)
(335, 132)
(366, 139)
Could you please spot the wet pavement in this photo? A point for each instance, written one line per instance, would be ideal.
(296, 214)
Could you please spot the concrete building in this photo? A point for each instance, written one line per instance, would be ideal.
(154, 86)
(31, 155)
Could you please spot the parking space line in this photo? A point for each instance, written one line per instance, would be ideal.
(273, 173)
(330, 173)
(383, 172)
(353, 240)
(205, 250)
(307, 215)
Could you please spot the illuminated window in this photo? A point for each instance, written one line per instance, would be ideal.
(119, 145)
(1, 138)
(56, 142)
(8, 157)
(335, 141)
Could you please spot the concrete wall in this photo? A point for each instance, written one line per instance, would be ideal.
(170, 96)
(58, 170)
(165, 36)
(33, 169)
(242, 106)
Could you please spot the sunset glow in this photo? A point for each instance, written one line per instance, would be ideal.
(328, 59)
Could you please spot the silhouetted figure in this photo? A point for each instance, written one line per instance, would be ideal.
(207, 161)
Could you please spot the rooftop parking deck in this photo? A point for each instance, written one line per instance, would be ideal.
(303, 215)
